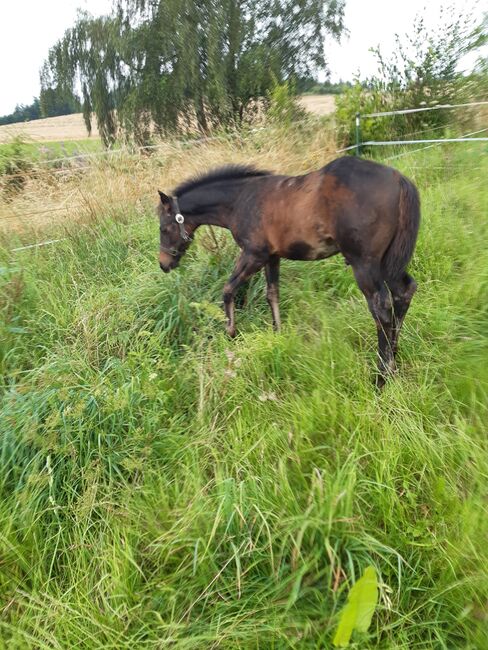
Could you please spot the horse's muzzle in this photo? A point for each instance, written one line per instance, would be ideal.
(168, 262)
(166, 268)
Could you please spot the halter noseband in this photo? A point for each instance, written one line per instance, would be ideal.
(180, 220)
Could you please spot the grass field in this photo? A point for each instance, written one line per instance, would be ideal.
(162, 486)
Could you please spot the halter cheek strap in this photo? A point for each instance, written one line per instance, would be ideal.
(180, 220)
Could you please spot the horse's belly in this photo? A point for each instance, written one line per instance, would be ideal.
(325, 249)
(303, 250)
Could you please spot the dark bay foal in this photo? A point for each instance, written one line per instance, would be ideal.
(367, 212)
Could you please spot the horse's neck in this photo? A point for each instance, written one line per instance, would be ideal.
(211, 205)
(212, 217)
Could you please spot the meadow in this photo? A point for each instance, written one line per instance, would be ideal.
(163, 486)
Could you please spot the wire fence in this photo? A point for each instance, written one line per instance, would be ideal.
(357, 146)
(422, 109)
(464, 138)
(134, 152)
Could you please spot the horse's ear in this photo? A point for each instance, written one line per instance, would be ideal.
(165, 200)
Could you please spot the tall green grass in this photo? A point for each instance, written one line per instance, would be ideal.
(162, 486)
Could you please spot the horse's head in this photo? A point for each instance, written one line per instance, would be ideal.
(174, 237)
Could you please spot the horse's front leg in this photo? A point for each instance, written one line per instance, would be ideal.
(272, 271)
(246, 265)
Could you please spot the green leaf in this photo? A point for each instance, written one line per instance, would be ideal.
(359, 610)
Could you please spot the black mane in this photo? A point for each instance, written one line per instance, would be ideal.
(225, 173)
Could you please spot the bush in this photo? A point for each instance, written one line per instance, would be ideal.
(423, 71)
(283, 107)
(15, 164)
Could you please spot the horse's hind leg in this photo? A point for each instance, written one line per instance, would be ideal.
(370, 281)
(272, 271)
(402, 292)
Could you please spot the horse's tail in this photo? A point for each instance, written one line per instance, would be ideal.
(401, 248)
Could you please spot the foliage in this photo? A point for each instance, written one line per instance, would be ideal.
(52, 102)
(23, 113)
(359, 610)
(163, 66)
(161, 485)
(283, 107)
(58, 101)
(422, 71)
(15, 165)
(310, 86)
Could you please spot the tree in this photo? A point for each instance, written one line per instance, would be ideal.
(157, 65)
(55, 101)
(22, 113)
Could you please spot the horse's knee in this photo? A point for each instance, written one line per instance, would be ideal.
(381, 307)
(228, 295)
(272, 294)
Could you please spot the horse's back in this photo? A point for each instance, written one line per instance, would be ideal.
(361, 177)
(348, 166)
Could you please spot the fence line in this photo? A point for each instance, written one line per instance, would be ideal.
(43, 243)
(169, 143)
(380, 143)
(406, 153)
(191, 142)
(55, 241)
(113, 152)
(424, 108)
(376, 143)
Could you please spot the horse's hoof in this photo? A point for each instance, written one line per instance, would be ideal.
(380, 381)
(231, 332)
(384, 374)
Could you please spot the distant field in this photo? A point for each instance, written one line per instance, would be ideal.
(319, 104)
(72, 127)
(65, 127)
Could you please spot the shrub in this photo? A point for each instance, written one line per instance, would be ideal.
(423, 71)
(15, 164)
(283, 107)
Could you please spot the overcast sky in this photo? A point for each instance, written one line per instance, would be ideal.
(29, 27)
